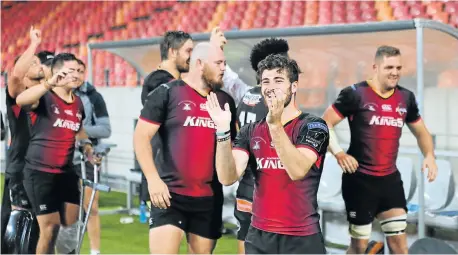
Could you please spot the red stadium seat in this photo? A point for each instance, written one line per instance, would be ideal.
(442, 17)
(451, 7)
(434, 7)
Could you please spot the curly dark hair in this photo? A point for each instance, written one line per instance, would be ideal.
(266, 47)
(282, 63)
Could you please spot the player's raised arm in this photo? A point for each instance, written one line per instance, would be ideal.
(23, 64)
(297, 157)
(152, 115)
(344, 106)
(230, 164)
(32, 95)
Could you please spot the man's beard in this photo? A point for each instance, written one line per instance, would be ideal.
(183, 66)
(289, 96)
(37, 77)
(212, 83)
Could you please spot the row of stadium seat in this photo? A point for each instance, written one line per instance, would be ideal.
(101, 21)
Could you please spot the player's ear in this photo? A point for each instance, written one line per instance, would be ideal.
(294, 86)
(172, 53)
(200, 64)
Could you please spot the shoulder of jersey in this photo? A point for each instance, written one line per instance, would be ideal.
(158, 74)
(252, 97)
(313, 119)
(255, 90)
(220, 91)
(356, 86)
(404, 90)
(172, 84)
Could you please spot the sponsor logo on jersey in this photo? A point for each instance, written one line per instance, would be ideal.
(401, 110)
(251, 99)
(386, 121)
(203, 107)
(257, 141)
(69, 112)
(269, 163)
(186, 105)
(55, 109)
(371, 107)
(192, 121)
(386, 108)
(68, 124)
(79, 115)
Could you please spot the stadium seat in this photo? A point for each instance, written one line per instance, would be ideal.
(331, 181)
(408, 176)
(434, 7)
(447, 218)
(441, 16)
(451, 7)
(437, 194)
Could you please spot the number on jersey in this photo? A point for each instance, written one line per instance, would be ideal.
(246, 117)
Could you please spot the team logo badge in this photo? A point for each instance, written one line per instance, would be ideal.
(186, 105)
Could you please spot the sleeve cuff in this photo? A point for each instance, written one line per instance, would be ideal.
(150, 121)
(241, 149)
(310, 148)
(337, 111)
(415, 120)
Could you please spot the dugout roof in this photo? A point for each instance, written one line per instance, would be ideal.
(328, 55)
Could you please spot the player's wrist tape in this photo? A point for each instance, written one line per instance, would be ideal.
(220, 140)
(333, 142)
(223, 134)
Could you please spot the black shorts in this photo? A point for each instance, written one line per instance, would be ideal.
(242, 213)
(17, 194)
(262, 242)
(49, 192)
(201, 216)
(89, 171)
(366, 196)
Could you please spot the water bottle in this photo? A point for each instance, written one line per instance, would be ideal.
(143, 212)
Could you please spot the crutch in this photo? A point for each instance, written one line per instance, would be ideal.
(96, 186)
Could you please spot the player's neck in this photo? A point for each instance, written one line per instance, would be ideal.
(64, 93)
(289, 113)
(194, 80)
(379, 89)
(170, 67)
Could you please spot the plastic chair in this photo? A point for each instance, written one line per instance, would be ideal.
(436, 194)
(442, 17)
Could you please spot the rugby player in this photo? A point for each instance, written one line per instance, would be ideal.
(252, 109)
(377, 109)
(49, 180)
(286, 150)
(185, 193)
(27, 72)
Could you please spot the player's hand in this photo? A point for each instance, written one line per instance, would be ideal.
(346, 162)
(60, 78)
(221, 118)
(275, 99)
(430, 163)
(91, 157)
(217, 37)
(159, 193)
(35, 36)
